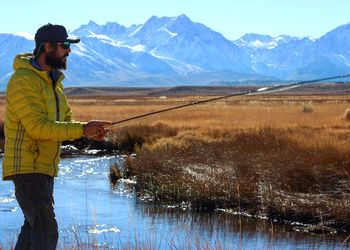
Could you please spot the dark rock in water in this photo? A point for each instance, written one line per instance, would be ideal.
(78, 144)
(102, 145)
(69, 150)
(84, 146)
(114, 174)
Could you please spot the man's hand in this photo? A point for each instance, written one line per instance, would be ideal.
(95, 130)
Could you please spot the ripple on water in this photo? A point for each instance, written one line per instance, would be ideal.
(64, 170)
(92, 229)
(101, 229)
(6, 199)
(86, 166)
(90, 160)
(9, 209)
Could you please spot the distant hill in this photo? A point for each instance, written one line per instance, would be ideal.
(335, 88)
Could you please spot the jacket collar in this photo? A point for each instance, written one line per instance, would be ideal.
(27, 61)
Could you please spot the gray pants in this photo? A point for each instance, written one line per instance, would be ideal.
(34, 193)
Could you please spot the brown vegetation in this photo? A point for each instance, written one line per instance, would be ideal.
(347, 114)
(262, 155)
(266, 157)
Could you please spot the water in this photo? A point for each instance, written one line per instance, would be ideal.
(90, 211)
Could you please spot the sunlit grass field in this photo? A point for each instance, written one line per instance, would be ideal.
(286, 158)
(240, 112)
(281, 157)
(307, 120)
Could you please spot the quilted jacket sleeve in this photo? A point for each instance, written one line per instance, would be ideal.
(25, 101)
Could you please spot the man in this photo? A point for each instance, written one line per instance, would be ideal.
(37, 119)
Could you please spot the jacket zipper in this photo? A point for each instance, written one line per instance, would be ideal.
(57, 102)
(57, 119)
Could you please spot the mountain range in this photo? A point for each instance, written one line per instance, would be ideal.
(171, 51)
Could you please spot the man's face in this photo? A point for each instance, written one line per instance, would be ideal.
(57, 57)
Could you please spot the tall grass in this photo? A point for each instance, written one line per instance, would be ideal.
(259, 155)
(262, 172)
(271, 160)
(347, 114)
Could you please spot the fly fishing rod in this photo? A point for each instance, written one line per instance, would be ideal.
(272, 89)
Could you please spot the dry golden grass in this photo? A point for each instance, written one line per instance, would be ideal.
(327, 124)
(259, 154)
(264, 156)
(324, 125)
(241, 112)
(347, 114)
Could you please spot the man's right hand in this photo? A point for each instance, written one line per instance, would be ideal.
(95, 130)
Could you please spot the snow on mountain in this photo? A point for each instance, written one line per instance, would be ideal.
(176, 50)
(25, 35)
(335, 41)
(286, 57)
(181, 39)
(256, 41)
(167, 45)
(110, 29)
(330, 54)
(11, 45)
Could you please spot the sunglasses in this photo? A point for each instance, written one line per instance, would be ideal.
(64, 45)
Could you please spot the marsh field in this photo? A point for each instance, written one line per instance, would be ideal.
(282, 157)
(279, 157)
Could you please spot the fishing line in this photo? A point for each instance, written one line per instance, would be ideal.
(262, 90)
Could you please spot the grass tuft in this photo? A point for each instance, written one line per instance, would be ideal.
(307, 107)
(347, 114)
(114, 174)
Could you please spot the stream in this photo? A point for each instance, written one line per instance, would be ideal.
(91, 212)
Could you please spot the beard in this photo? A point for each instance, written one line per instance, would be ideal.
(57, 62)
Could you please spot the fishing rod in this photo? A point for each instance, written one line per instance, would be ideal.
(246, 92)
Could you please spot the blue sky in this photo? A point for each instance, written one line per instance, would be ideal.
(232, 18)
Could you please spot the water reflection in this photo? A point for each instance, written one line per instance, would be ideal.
(91, 212)
(244, 231)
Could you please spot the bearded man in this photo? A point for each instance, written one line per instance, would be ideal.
(37, 119)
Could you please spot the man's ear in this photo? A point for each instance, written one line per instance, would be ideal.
(48, 47)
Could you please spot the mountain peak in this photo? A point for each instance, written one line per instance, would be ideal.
(92, 24)
(84, 29)
(257, 41)
(163, 20)
(183, 17)
(157, 20)
(253, 36)
(110, 29)
(25, 35)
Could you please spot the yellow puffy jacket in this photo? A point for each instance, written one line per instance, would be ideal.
(37, 119)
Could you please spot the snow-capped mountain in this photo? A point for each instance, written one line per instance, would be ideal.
(255, 41)
(276, 56)
(176, 51)
(10, 46)
(329, 55)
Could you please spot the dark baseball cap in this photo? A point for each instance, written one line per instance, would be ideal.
(53, 33)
